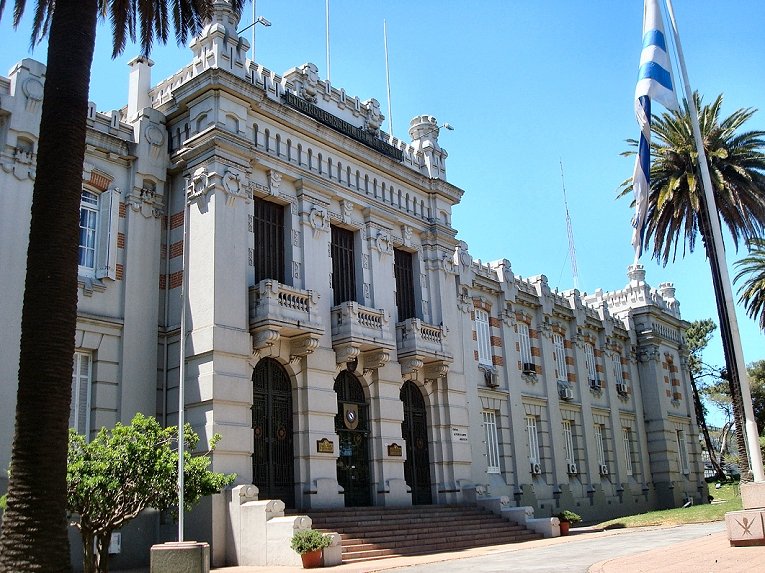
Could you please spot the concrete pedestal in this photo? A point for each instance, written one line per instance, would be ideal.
(747, 527)
(186, 556)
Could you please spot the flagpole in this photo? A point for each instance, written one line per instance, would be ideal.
(329, 70)
(387, 78)
(734, 354)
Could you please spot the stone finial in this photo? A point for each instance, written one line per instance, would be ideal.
(667, 290)
(424, 128)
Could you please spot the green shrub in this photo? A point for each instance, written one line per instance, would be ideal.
(569, 516)
(307, 540)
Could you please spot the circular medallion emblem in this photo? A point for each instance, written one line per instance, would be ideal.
(258, 432)
(350, 415)
(419, 443)
(281, 433)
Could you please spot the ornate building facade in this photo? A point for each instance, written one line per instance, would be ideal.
(340, 338)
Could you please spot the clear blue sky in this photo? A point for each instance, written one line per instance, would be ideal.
(526, 85)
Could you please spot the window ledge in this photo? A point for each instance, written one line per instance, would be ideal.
(89, 285)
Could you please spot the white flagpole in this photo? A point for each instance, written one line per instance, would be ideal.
(387, 78)
(755, 456)
(329, 69)
(182, 364)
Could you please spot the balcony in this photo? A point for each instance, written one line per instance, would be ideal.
(421, 345)
(357, 329)
(278, 310)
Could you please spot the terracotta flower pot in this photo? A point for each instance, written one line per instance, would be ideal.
(564, 526)
(311, 559)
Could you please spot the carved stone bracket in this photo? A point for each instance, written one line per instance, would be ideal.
(345, 353)
(274, 180)
(347, 211)
(406, 235)
(318, 219)
(146, 201)
(302, 346)
(234, 188)
(198, 184)
(374, 360)
(265, 337)
(383, 243)
(410, 368)
(648, 354)
(436, 370)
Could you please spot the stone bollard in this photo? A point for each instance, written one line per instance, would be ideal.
(186, 556)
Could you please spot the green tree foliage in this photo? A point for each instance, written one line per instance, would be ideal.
(756, 371)
(124, 470)
(752, 291)
(34, 535)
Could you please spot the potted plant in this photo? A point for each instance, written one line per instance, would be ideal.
(567, 518)
(308, 543)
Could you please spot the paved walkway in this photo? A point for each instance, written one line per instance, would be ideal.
(698, 548)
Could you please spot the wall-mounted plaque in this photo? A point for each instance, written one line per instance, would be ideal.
(325, 446)
(394, 450)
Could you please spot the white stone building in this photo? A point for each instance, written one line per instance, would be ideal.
(344, 343)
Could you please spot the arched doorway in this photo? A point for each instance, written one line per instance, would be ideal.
(273, 465)
(352, 426)
(414, 430)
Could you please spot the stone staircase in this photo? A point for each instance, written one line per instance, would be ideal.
(369, 533)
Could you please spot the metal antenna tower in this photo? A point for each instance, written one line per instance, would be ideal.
(570, 230)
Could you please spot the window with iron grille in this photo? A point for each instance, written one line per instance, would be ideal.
(524, 341)
(589, 358)
(560, 357)
(403, 270)
(343, 265)
(484, 336)
(533, 437)
(600, 444)
(269, 241)
(79, 409)
(628, 449)
(492, 441)
(568, 438)
(618, 372)
(682, 452)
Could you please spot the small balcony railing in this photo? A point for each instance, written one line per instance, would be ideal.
(365, 328)
(427, 342)
(290, 310)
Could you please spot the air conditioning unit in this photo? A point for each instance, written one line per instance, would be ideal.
(604, 470)
(536, 469)
(622, 389)
(572, 469)
(490, 376)
(565, 392)
(595, 383)
(529, 368)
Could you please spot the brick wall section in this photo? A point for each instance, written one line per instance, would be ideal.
(669, 394)
(497, 360)
(163, 251)
(569, 360)
(120, 240)
(494, 322)
(535, 352)
(176, 279)
(496, 341)
(571, 377)
(533, 334)
(120, 271)
(162, 282)
(598, 353)
(176, 220)
(567, 344)
(599, 369)
(475, 354)
(176, 249)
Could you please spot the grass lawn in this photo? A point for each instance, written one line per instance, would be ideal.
(726, 499)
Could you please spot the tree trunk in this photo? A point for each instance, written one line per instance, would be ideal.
(702, 421)
(724, 442)
(102, 556)
(88, 551)
(34, 535)
(733, 375)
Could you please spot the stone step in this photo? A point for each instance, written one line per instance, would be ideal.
(371, 533)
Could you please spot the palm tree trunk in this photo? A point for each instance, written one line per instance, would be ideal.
(34, 536)
(705, 229)
(702, 421)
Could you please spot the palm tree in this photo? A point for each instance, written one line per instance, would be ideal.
(753, 290)
(34, 535)
(676, 209)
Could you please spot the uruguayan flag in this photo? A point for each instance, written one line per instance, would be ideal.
(654, 83)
